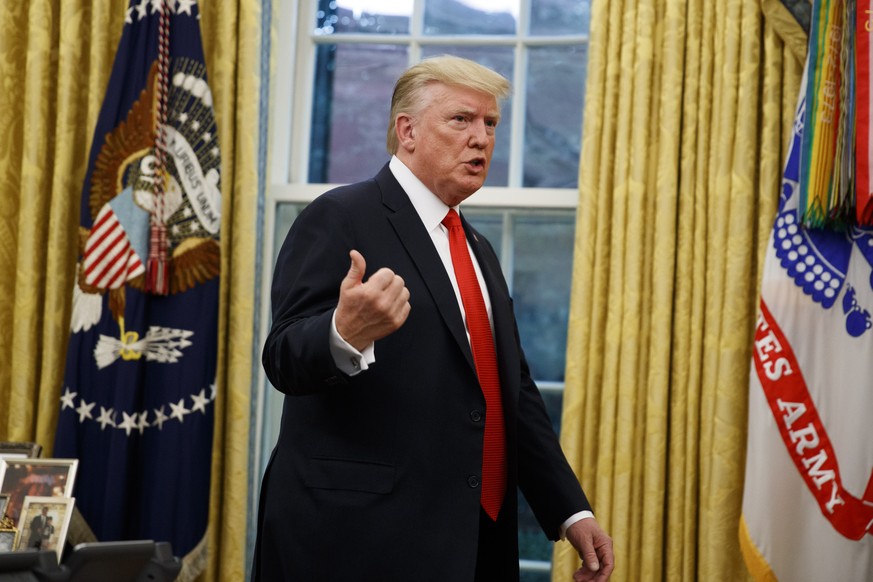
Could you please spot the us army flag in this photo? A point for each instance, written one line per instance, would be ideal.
(137, 403)
(808, 494)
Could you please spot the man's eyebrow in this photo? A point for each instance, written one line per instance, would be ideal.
(470, 111)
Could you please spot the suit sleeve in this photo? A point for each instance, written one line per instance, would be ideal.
(309, 269)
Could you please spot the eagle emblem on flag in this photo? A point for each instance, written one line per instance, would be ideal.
(122, 197)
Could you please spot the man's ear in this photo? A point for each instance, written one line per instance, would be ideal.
(406, 133)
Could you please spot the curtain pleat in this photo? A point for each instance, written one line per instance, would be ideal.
(687, 112)
(55, 59)
(232, 37)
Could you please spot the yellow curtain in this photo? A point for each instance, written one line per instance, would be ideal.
(55, 60)
(232, 41)
(688, 107)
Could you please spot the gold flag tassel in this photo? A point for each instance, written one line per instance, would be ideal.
(158, 264)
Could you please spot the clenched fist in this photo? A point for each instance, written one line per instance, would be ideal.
(368, 311)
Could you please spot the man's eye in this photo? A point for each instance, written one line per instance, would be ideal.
(460, 118)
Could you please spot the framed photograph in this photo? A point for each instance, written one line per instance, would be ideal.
(37, 478)
(8, 537)
(44, 523)
(19, 450)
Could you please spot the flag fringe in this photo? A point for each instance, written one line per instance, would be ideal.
(194, 562)
(755, 562)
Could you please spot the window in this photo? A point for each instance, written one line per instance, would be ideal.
(336, 63)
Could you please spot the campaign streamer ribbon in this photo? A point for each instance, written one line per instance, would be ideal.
(817, 199)
(864, 151)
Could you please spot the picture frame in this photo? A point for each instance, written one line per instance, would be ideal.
(44, 523)
(8, 539)
(20, 450)
(36, 478)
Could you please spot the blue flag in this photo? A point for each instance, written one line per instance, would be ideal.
(137, 405)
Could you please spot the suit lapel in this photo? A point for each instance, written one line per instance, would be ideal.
(417, 242)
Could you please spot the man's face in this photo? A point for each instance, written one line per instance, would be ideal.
(451, 141)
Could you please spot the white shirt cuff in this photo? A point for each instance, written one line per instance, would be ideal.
(573, 519)
(345, 356)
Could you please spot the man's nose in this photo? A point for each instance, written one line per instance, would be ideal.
(478, 134)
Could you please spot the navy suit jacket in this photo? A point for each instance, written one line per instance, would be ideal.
(375, 476)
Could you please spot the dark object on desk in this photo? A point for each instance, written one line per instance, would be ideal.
(20, 448)
(131, 561)
(31, 566)
(134, 561)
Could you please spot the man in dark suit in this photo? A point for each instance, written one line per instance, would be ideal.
(400, 455)
(37, 527)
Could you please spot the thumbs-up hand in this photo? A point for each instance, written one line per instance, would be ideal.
(368, 311)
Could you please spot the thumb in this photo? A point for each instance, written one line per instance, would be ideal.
(355, 276)
(589, 558)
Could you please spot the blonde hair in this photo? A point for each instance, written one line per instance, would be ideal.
(445, 69)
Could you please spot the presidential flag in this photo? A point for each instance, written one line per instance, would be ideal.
(137, 405)
(807, 510)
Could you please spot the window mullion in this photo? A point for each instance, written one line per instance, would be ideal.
(416, 31)
(519, 103)
(519, 99)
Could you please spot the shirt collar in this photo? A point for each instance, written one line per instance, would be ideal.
(430, 209)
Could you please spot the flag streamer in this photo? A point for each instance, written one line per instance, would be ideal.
(834, 180)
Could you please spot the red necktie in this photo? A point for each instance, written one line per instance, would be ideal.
(485, 358)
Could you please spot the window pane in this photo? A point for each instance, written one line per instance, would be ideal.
(532, 542)
(553, 119)
(541, 289)
(500, 59)
(351, 101)
(535, 577)
(490, 224)
(363, 16)
(286, 214)
(470, 16)
(557, 17)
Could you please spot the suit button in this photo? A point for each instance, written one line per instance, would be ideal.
(475, 415)
(473, 481)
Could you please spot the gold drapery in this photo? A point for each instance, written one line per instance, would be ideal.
(688, 107)
(55, 61)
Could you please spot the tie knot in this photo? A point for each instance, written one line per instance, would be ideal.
(452, 220)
